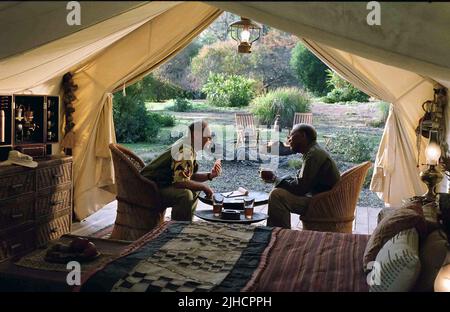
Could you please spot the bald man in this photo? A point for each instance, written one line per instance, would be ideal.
(175, 172)
(318, 174)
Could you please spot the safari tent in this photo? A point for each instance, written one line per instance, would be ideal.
(400, 59)
(117, 43)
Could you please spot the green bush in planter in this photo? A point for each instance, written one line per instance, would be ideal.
(229, 90)
(282, 101)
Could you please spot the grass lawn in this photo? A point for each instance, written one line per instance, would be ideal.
(197, 106)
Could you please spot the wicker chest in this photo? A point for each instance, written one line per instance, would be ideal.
(35, 205)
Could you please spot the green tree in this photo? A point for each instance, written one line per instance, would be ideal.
(176, 70)
(132, 121)
(310, 71)
(270, 57)
(220, 57)
(268, 62)
(218, 30)
(229, 90)
(156, 90)
(342, 90)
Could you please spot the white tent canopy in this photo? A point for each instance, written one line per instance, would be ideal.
(398, 61)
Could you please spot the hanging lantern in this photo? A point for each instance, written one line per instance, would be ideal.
(245, 32)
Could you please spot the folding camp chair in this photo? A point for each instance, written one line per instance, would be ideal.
(247, 133)
(306, 118)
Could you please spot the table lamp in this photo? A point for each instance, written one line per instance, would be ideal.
(432, 176)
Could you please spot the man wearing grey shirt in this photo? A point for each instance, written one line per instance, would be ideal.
(318, 174)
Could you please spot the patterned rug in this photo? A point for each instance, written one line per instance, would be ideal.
(184, 256)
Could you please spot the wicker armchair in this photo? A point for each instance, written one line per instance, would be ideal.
(334, 210)
(139, 208)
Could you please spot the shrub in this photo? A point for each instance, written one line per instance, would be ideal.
(282, 101)
(133, 123)
(354, 147)
(163, 120)
(383, 113)
(181, 105)
(310, 71)
(229, 90)
(268, 62)
(368, 178)
(383, 108)
(343, 91)
(217, 58)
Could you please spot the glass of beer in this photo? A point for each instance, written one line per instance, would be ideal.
(217, 205)
(249, 203)
(265, 173)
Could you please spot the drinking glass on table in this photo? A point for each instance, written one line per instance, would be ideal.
(217, 204)
(249, 203)
(266, 174)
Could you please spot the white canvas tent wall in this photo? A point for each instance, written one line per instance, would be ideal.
(396, 61)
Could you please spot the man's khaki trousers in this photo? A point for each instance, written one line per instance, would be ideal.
(182, 201)
(281, 204)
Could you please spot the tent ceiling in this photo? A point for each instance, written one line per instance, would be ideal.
(28, 24)
(31, 68)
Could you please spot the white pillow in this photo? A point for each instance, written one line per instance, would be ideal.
(397, 265)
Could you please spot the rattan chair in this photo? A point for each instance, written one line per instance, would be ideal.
(139, 207)
(334, 210)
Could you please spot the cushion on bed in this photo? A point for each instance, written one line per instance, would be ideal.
(396, 221)
(432, 254)
(397, 265)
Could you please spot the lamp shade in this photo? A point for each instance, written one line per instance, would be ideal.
(433, 153)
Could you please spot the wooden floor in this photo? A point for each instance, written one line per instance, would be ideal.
(365, 222)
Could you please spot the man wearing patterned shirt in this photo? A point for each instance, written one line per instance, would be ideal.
(175, 172)
(318, 174)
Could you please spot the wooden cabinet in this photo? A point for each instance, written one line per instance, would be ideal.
(35, 204)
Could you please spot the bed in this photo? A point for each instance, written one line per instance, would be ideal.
(204, 256)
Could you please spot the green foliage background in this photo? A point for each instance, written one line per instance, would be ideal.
(282, 101)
